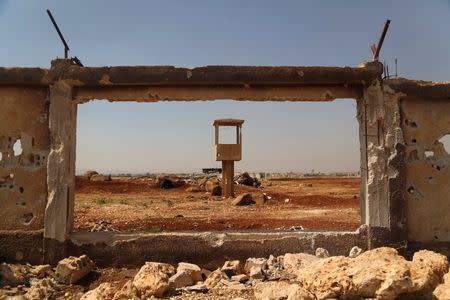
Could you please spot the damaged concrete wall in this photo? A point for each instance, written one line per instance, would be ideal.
(382, 167)
(24, 148)
(425, 121)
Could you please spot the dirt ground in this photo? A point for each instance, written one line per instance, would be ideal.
(137, 204)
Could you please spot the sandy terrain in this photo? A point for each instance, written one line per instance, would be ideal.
(137, 204)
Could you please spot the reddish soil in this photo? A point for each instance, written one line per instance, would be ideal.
(136, 204)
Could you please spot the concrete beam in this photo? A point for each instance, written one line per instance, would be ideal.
(420, 88)
(203, 76)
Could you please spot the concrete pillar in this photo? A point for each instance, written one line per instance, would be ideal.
(60, 168)
(228, 178)
(381, 164)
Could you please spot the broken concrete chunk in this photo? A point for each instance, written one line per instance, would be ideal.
(322, 253)
(355, 251)
(256, 272)
(193, 189)
(72, 269)
(153, 279)
(41, 271)
(293, 262)
(427, 270)
(43, 289)
(13, 275)
(261, 263)
(443, 290)
(193, 270)
(181, 279)
(240, 278)
(214, 278)
(168, 182)
(232, 267)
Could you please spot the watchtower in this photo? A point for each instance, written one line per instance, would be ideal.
(228, 154)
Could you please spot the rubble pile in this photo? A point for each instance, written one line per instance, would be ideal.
(379, 273)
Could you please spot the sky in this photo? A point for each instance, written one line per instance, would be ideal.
(178, 136)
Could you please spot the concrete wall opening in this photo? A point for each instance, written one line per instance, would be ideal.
(309, 178)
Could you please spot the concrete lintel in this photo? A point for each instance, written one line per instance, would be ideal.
(202, 76)
(420, 88)
(195, 93)
(24, 76)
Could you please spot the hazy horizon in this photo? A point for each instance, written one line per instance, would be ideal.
(178, 136)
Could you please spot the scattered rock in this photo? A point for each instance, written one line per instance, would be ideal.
(275, 290)
(322, 253)
(44, 289)
(246, 179)
(214, 278)
(240, 278)
(104, 291)
(99, 177)
(293, 262)
(181, 279)
(287, 200)
(243, 199)
(89, 174)
(442, 292)
(261, 263)
(427, 270)
(355, 251)
(126, 292)
(379, 273)
(232, 267)
(13, 275)
(71, 269)
(213, 187)
(193, 270)
(256, 272)
(40, 271)
(259, 198)
(168, 182)
(153, 279)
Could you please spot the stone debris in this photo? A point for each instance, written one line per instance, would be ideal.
(181, 279)
(379, 273)
(13, 275)
(169, 182)
(240, 277)
(231, 268)
(297, 261)
(72, 269)
(275, 290)
(153, 279)
(100, 177)
(193, 270)
(355, 251)
(104, 291)
(43, 289)
(246, 179)
(88, 174)
(443, 290)
(322, 253)
(249, 199)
